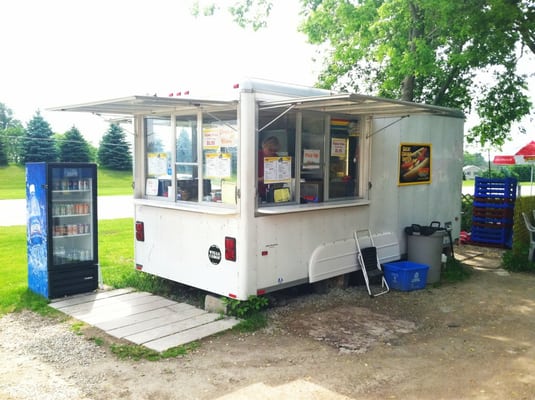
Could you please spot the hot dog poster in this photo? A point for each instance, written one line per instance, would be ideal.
(414, 163)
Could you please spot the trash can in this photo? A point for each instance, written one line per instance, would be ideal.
(424, 246)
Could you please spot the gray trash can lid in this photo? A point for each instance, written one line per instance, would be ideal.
(416, 229)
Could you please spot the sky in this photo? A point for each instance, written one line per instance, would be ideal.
(62, 52)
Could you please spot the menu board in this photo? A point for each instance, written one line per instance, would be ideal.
(277, 169)
(157, 164)
(218, 165)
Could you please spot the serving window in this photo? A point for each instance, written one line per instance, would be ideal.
(192, 158)
(186, 166)
(220, 157)
(306, 157)
(276, 158)
(159, 156)
(343, 156)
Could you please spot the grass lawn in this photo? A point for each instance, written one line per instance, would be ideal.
(12, 182)
(110, 183)
(468, 183)
(471, 183)
(116, 253)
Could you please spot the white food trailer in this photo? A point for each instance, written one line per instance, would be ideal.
(214, 212)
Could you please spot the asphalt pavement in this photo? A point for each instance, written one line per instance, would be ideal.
(13, 212)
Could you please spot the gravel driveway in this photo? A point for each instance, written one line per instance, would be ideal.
(473, 340)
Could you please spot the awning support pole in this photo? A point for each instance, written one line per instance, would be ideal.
(388, 126)
(282, 114)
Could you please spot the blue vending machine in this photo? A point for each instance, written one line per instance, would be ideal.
(62, 234)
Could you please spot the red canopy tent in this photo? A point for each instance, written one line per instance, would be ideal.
(526, 155)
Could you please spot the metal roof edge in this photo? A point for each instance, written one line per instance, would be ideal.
(282, 94)
(454, 112)
(353, 103)
(281, 88)
(132, 105)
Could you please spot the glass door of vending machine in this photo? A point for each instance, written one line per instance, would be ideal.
(72, 211)
(73, 262)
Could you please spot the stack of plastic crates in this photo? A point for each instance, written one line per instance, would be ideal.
(493, 211)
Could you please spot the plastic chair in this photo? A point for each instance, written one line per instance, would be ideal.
(370, 265)
(531, 230)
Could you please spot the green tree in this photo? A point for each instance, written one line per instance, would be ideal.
(522, 172)
(114, 151)
(474, 159)
(184, 150)
(245, 13)
(73, 147)
(431, 51)
(460, 54)
(38, 143)
(10, 130)
(6, 118)
(93, 152)
(3, 151)
(13, 138)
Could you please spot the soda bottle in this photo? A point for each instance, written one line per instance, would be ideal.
(34, 218)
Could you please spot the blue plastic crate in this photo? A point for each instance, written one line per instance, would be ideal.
(495, 188)
(405, 275)
(486, 235)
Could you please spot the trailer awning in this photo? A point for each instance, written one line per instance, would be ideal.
(345, 104)
(355, 104)
(143, 105)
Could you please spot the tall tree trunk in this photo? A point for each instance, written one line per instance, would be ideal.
(407, 89)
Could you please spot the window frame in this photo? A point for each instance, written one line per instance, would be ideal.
(323, 179)
(198, 163)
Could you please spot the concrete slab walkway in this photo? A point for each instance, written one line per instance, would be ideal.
(143, 318)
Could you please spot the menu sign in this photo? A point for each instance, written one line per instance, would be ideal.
(414, 163)
(311, 159)
(218, 165)
(157, 164)
(277, 169)
(338, 147)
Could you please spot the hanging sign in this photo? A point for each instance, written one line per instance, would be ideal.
(338, 147)
(311, 159)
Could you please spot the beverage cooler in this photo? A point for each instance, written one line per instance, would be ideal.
(61, 202)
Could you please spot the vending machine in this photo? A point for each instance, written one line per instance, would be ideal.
(61, 204)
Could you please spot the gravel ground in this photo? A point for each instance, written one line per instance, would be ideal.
(41, 345)
(468, 340)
